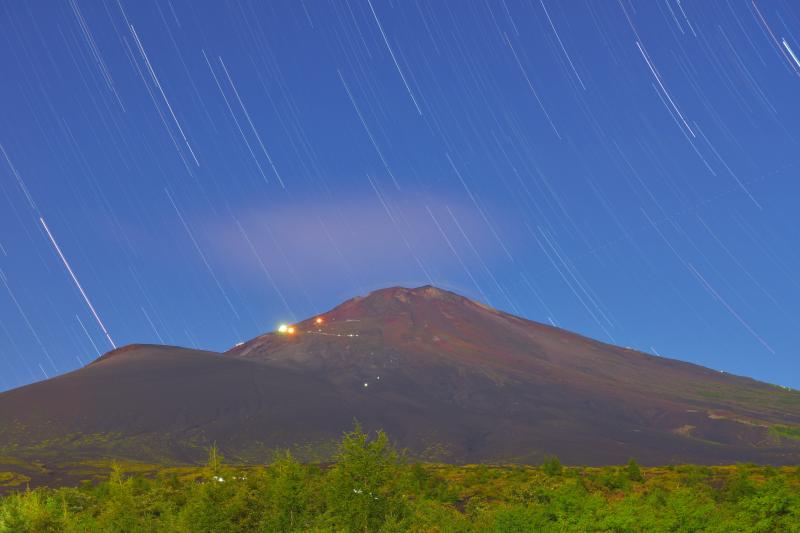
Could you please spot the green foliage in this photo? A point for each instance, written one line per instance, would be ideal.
(786, 432)
(360, 495)
(615, 479)
(288, 495)
(30, 511)
(510, 519)
(738, 486)
(370, 488)
(552, 466)
(633, 471)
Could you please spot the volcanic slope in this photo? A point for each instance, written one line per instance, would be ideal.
(446, 377)
(542, 389)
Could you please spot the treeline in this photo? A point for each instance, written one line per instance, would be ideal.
(370, 487)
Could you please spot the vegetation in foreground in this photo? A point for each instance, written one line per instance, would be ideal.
(370, 487)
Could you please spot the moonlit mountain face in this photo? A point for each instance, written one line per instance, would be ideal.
(446, 377)
(195, 173)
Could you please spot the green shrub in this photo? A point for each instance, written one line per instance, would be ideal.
(552, 466)
(370, 488)
(633, 471)
(787, 432)
(34, 510)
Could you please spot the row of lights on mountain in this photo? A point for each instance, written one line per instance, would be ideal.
(286, 329)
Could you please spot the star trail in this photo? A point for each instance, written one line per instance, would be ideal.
(196, 173)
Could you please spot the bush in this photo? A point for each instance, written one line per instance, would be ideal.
(552, 466)
(615, 479)
(370, 488)
(633, 471)
(34, 510)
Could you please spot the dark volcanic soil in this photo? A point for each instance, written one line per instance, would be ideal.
(446, 377)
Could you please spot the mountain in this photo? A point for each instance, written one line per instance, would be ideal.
(446, 377)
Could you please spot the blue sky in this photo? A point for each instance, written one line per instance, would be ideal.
(627, 170)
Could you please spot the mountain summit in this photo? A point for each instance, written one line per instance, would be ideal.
(439, 372)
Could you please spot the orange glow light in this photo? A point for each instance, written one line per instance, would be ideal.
(319, 320)
(290, 330)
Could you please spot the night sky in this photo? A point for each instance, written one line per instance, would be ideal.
(205, 170)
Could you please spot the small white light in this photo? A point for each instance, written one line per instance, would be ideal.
(366, 384)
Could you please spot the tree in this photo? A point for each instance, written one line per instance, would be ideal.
(360, 492)
(212, 504)
(119, 510)
(633, 470)
(287, 494)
